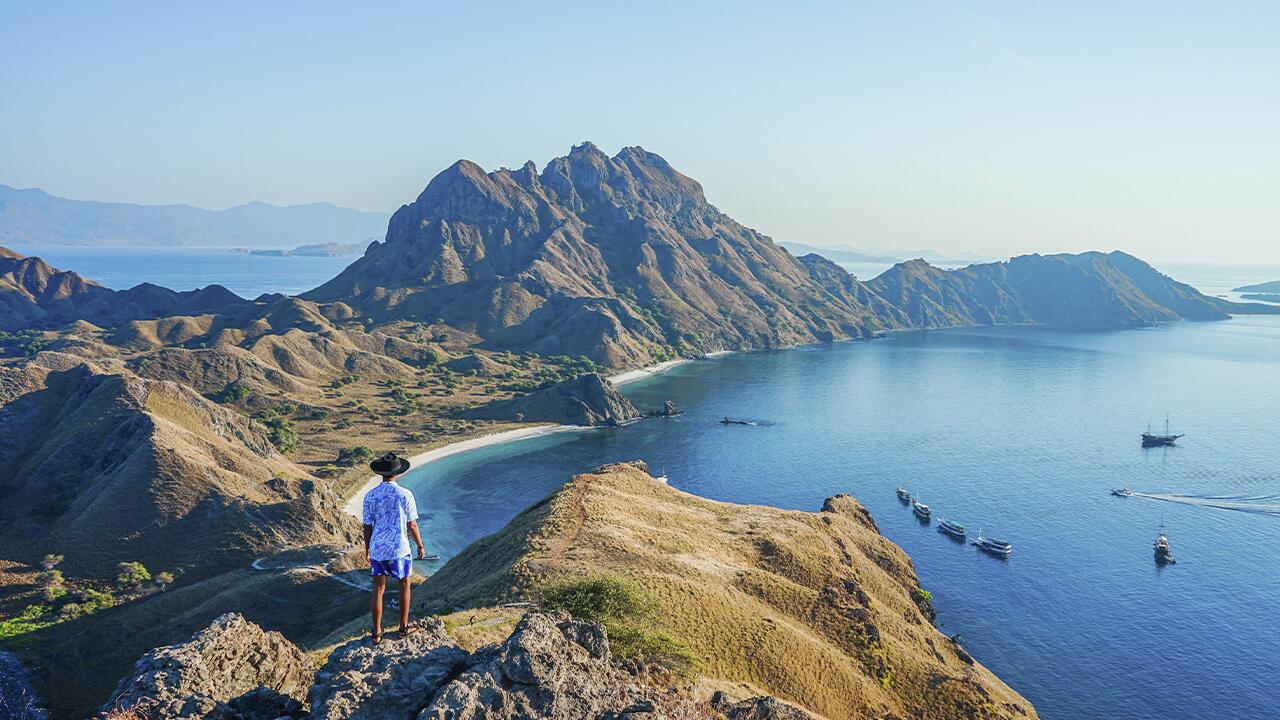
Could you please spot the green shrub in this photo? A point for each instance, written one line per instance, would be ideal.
(355, 455)
(132, 574)
(628, 614)
(233, 393)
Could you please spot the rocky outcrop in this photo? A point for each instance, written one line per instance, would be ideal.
(395, 679)
(33, 294)
(584, 400)
(230, 669)
(763, 708)
(551, 667)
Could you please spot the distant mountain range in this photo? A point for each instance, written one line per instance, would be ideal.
(876, 255)
(35, 218)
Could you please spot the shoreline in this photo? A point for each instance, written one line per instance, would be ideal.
(353, 504)
(629, 376)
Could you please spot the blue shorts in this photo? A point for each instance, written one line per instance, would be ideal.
(400, 568)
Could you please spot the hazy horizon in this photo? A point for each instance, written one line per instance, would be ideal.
(962, 128)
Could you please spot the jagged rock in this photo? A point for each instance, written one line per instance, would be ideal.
(585, 400)
(396, 679)
(551, 667)
(261, 704)
(198, 678)
(765, 708)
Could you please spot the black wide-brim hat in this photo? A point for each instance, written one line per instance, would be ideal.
(389, 465)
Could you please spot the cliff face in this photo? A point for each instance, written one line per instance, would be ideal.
(613, 258)
(816, 608)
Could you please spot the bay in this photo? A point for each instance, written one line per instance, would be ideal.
(1021, 432)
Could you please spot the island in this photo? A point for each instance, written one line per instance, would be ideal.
(1266, 287)
(319, 250)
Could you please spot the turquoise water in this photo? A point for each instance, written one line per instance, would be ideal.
(189, 268)
(1021, 432)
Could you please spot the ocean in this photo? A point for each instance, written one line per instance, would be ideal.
(1019, 432)
(189, 268)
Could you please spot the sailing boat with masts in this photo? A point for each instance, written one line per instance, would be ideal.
(1150, 440)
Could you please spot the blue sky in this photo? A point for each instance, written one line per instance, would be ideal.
(999, 127)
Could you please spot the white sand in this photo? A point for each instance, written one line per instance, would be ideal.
(354, 506)
(631, 376)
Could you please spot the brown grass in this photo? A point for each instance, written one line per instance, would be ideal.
(813, 607)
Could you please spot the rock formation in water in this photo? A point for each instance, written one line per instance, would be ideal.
(818, 608)
(584, 400)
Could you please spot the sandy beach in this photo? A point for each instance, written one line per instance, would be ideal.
(353, 505)
(631, 376)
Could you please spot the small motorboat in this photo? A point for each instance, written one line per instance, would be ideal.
(954, 529)
(734, 421)
(1121, 492)
(432, 558)
(921, 510)
(903, 495)
(996, 547)
(1164, 554)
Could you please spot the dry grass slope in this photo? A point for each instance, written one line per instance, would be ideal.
(817, 608)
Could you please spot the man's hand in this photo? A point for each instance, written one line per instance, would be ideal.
(422, 552)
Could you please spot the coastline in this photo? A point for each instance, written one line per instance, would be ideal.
(648, 371)
(353, 504)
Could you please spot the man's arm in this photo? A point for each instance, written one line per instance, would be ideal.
(412, 526)
(368, 535)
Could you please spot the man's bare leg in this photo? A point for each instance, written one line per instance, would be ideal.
(404, 604)
(375, 604)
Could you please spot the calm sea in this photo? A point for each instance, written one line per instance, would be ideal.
(1021, 432)
(189, 268)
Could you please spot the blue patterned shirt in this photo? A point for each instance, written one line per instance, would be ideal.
(388, 508)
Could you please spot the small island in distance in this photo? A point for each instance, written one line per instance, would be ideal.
(1263, 292)
(332, 249)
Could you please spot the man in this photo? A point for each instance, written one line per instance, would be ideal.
(390, 516)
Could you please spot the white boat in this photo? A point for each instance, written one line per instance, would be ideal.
(1121, 492)
(992, 545)
(921, 510)
(954, 529)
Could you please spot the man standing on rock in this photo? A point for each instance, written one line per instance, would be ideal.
(390, 516)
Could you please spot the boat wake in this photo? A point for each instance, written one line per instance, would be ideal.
(1255, 504)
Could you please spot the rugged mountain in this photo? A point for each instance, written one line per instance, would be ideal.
(33, 294)
(1089, 290)
(619, 259)
(623, 260)
(816, 608)
(32, 217)
(189, 486)
(588, 399)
